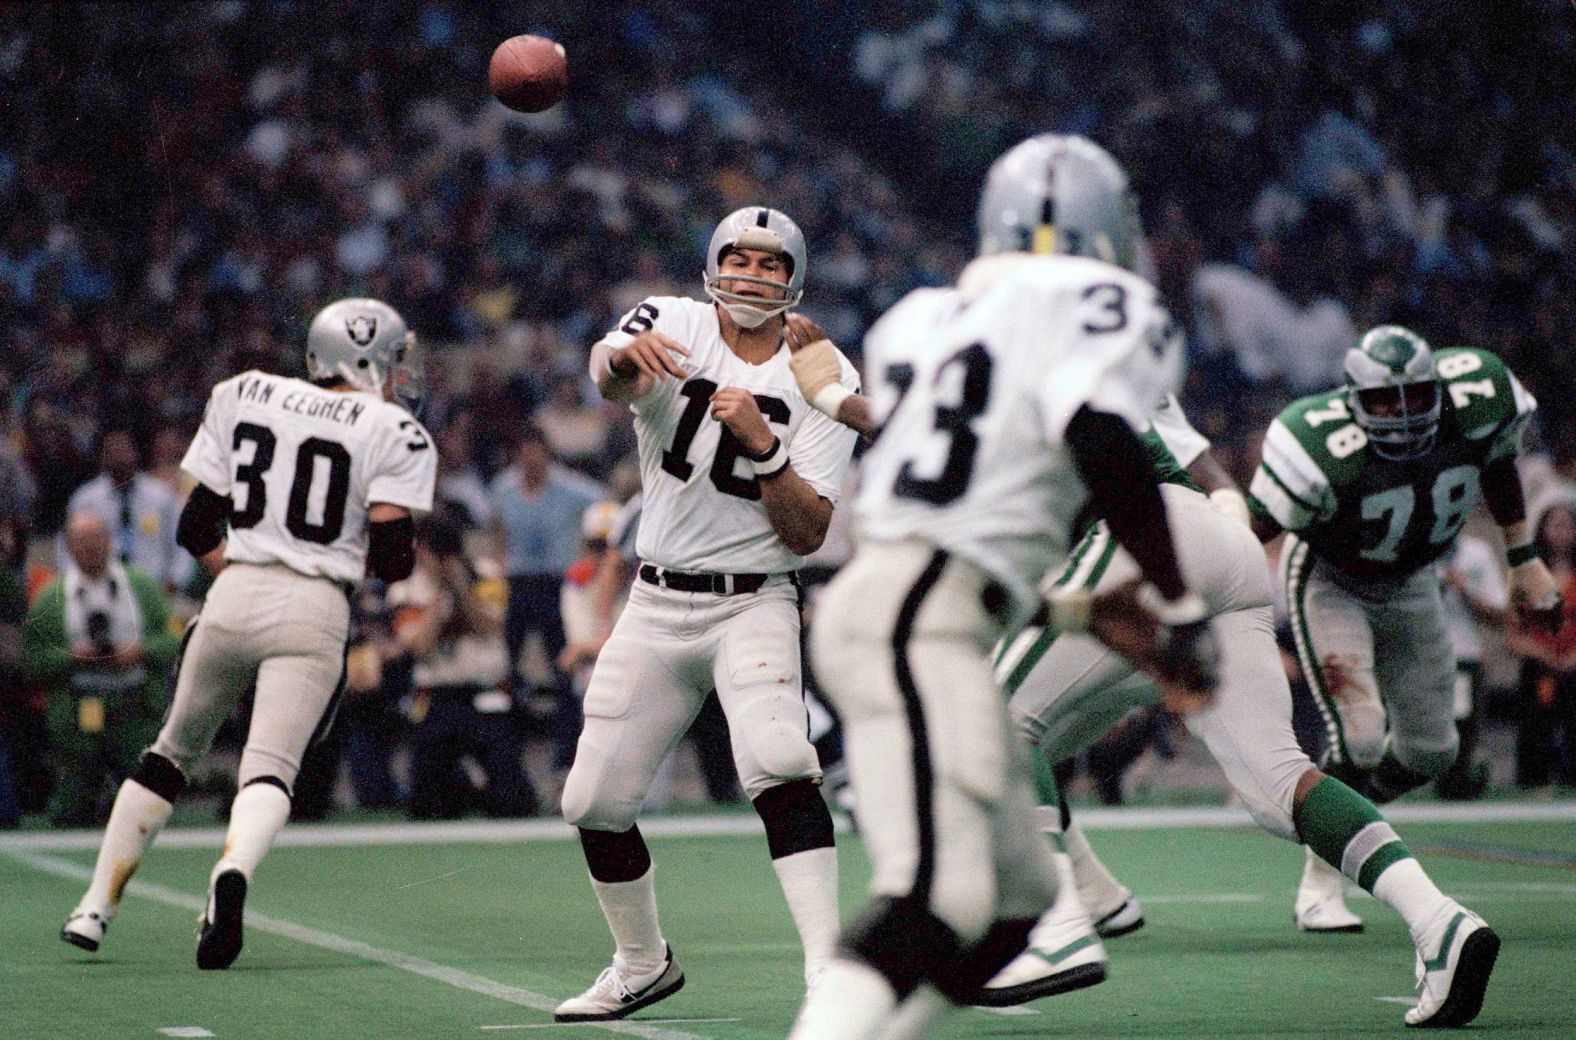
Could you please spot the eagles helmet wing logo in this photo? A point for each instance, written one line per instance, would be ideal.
(363, 329)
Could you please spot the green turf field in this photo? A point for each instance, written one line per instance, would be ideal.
(473, 939)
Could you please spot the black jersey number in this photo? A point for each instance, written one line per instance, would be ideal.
(956, 421)
(250, 475)
(730, 449)
(338, 459)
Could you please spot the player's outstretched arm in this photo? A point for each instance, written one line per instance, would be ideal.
(627, 373)
(819, 372)
(1117, 470)
(796, 511)
(1534, 595)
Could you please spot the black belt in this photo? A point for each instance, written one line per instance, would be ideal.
(721, 584)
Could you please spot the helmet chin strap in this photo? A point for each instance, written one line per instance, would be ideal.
(748, 311)
(749, 317)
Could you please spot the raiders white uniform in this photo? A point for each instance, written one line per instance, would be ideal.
(702, 524)
(968, 496)
(301, 466)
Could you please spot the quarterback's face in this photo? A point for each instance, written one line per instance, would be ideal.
(754, 263)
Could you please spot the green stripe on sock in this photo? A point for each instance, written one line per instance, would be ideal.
(1331, 816)
(1387, 855)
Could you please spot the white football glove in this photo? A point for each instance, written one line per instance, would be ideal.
(819, 373)
(1535, 596)
(1230, 501)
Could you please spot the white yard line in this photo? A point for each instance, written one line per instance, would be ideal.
(340, 944)
(502, 831)
(1018, 1010)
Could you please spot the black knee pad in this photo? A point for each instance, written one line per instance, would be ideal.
(159, 775)
(980, 962)
(796, 818)
(272, 781)
(614, 856)
(905, 942)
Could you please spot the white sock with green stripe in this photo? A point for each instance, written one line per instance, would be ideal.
(1345, 830)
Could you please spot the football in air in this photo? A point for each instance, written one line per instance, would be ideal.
(528, 73)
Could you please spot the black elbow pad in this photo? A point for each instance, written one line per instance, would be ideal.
(201, 526)
(391, 548)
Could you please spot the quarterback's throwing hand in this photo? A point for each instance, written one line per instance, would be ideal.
(649, 354)
(736, 409)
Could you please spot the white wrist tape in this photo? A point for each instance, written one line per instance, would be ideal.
(1230, 501)
(1187, 609)
(774, 463)
(830, 398)
(1070, 609)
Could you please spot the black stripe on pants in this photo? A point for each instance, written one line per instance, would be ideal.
(924, 781)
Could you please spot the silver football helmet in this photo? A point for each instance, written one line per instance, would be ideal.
(365, 342)
(756, 227)
(1393, 391)
(1059, 193)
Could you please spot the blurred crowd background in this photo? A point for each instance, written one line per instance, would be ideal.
(185, 185)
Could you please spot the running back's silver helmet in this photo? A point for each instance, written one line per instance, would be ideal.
(1394, 366)
(365, 342)
(1058, 193)
(756, 227)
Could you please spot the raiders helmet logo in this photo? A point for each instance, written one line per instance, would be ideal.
(363, 329)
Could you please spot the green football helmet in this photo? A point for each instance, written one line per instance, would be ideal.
(1060, 193)
(1393, 391)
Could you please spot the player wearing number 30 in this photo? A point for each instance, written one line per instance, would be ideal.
(317, 481)
(1373, 482)
(740, 475)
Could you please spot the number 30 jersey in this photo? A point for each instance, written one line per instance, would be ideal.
(301, 465)
(1374, 517)
(702, 506)
(974, 388)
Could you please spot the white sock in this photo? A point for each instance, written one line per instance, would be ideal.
(1407, 890)
(1101, 892)
(134, 822)
(257, 816)
(631, 911)
(916, 1014)
(853, 1001)
(809, 881)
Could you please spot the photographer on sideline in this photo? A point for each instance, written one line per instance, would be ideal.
(460, 706)
(98, 637)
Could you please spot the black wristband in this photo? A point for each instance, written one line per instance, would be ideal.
(763, 456)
